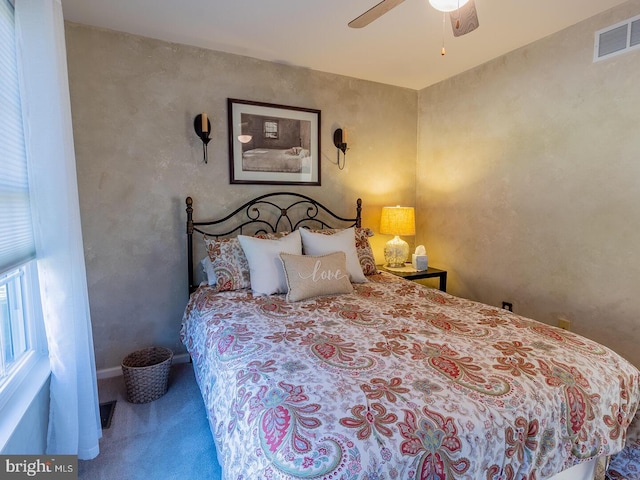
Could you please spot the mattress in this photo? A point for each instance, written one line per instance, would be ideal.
(396, 380)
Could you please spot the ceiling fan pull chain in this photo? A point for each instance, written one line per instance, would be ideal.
(444, 21)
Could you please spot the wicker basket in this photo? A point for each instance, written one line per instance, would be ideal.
(146, 373)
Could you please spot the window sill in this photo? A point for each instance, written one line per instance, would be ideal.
(20, 393)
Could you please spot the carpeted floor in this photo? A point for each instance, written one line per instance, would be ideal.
(166, 439)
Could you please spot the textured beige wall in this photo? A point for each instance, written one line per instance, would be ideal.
(528, 183)
(133, 102)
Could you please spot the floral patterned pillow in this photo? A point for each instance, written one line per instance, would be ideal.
(229, 263)
(363, 247)
(271, 236)
(232, 269)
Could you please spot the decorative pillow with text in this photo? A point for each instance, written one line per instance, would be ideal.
(311, 276)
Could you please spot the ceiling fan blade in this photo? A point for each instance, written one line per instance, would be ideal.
(465, 19)
(374, 13)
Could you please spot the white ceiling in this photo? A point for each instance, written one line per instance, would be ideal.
(401, 48)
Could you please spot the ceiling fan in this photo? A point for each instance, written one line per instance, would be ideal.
(463, 14)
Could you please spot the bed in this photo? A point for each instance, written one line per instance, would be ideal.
(387, 378)
(289, 160)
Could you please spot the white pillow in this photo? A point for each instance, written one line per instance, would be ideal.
(265, 267)
(344, 241)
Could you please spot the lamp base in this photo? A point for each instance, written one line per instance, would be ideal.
(396, 252)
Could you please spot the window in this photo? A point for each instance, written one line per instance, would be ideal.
(22, 342)
(14, 337)
(72, 422)
(270, 129)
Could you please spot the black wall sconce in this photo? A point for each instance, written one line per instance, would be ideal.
(202, 127)
(340, 141)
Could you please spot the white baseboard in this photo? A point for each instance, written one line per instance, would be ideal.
(117, 371)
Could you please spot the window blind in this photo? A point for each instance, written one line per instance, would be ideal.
(16, 231)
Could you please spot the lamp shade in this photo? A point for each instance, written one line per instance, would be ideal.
(447, 5)
(398, 221)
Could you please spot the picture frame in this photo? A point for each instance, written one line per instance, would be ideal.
(273, 144)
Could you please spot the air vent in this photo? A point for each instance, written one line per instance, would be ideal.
(634, 39)
(617, 39)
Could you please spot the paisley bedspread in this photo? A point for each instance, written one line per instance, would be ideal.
(400, 381)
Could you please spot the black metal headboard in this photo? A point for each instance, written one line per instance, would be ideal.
(269, 213)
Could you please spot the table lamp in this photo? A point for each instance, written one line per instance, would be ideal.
(397, 221)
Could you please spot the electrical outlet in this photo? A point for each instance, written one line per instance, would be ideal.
(564, 323)
(507, 306)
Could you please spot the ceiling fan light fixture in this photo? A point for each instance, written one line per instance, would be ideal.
(447, 5)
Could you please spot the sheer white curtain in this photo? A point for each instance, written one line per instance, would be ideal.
(74, 418)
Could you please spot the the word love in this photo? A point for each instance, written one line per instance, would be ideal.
(319, 274)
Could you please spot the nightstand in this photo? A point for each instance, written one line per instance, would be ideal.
(408, 273)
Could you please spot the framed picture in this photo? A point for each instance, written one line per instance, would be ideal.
(273, 144)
